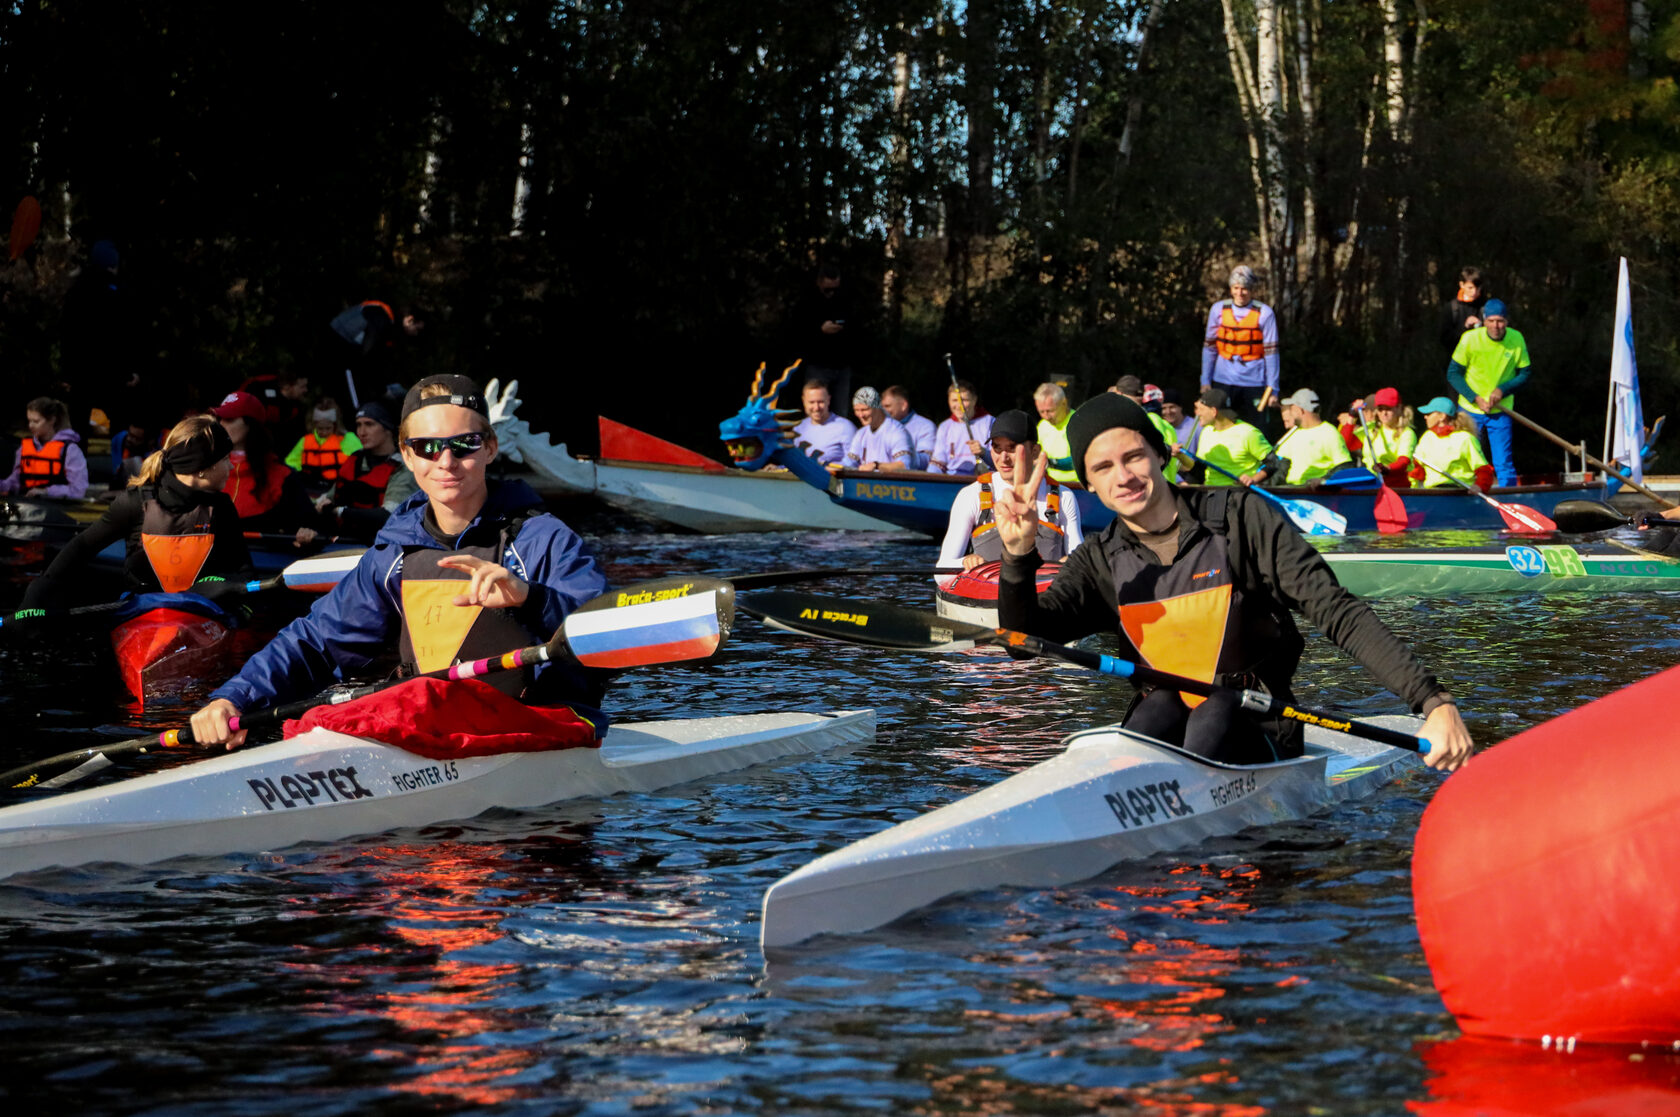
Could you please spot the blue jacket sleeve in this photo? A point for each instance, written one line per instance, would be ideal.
(563, 574)
(347, 629)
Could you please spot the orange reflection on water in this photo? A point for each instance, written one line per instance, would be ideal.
(433, 905)
(1503, 1078)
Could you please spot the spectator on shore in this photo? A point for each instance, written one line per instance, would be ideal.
(1240, 349)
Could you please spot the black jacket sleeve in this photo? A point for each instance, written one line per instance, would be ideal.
(1275, 557)
(1079, 602)
(54, 587)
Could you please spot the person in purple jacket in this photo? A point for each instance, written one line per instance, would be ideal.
(49, 463)
(464, 569)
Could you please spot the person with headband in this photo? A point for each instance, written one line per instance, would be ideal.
(322, 455)
(465, 569)
(179, 526)
(1202, 583)
(1240, 349)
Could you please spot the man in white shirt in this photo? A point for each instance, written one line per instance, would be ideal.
(972, 537)
(881, 442)
(896, 403)
(822, 434)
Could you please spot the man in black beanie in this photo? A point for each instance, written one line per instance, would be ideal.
(1202, 583)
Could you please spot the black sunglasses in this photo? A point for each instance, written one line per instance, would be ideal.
(461, 445)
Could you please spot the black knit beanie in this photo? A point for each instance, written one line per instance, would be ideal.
(1104, 413)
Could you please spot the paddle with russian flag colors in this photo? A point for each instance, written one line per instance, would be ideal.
(891, 626)
(665, 621)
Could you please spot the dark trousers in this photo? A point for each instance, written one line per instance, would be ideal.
(1243, 399)
(1217, 729)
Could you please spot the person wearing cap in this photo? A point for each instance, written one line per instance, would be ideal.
(1201, 583)
(822, 434)
(263, 488)
(1137, 391)
(1488, 366)
(179, 527)
(881, 442)
(465, 569)
(1184, 423)
(1229, 442)
(285, 398)
(323, 452)
(972, 538)
(1053, 415)
(1240, 347)
(1310, 449)
(895, 401)
(374, 481)
(1385, 443)
(1447, 451)
(959, 444)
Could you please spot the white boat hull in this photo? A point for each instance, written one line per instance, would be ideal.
(322, 786)
(724, 503)
(1111, 796)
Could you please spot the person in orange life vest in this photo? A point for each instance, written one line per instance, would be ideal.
(373, 483)
(972, 539)
(321, 455)
(179, 525)
(258, 481)
(285, 399)
(1240, 348)
(1203, 583)
(466, 568)
(49, 463)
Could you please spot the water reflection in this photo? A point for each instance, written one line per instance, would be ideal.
(1481, 1076)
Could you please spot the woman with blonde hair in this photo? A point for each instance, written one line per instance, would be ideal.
(179, 525)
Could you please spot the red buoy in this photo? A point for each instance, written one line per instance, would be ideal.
(1546, 877)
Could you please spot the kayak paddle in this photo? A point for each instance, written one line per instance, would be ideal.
(663, 621)
(315, 574)
(891, 626)
(1517, 518)
(1581, 450)
(1314, 519)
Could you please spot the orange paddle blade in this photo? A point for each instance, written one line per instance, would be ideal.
(26, 222)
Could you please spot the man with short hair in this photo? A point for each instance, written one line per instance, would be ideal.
(895, 401)
(1464, 312)
(1199, 583)
(1488, 366)
(1182, 422)
(1310, 449)
(822, 434)
(972, 537)
(881, 442)
(1053, 415)
(1240, 348)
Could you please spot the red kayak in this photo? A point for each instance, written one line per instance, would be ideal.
(161, 648)
(972, 595)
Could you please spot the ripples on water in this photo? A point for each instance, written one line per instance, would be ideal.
(602, 958)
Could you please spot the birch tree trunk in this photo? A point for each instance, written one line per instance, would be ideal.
(1134, 104)
(892, 295)
(1269, 56)
(1248, 98)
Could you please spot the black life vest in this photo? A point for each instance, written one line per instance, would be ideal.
(1192, 618)
(177, 545)
(437, 633)
(1052, 537)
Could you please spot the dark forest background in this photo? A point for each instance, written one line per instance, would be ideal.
(618, 203)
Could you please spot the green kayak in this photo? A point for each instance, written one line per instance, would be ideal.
(1511, 568)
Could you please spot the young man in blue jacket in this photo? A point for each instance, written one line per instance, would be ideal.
(464, 569)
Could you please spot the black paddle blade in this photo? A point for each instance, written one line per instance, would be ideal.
(664, 621)
(865, 622)
(1580, 516)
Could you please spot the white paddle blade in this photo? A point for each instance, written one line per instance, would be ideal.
(1315, 519)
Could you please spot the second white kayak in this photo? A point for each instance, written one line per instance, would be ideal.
(1110, 796)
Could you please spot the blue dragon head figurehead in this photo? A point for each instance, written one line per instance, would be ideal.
(754, 435)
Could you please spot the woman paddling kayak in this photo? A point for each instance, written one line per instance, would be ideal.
(179, 525)
(464, 569)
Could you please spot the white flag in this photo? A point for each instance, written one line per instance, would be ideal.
(1629, 445)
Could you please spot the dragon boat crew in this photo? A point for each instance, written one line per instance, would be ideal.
(1203, 583)
(822, 434)
(1310, 448)
(881, 442)
(180, 528)
(959, 441)
(1228, 441)
(467, 568)
(972, 539)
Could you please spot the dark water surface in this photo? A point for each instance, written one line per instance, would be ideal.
(601, 957)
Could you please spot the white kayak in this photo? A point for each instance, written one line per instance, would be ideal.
(1109, 797)
(321, 786)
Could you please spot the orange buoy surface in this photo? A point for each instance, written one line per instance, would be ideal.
(1546, 877)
